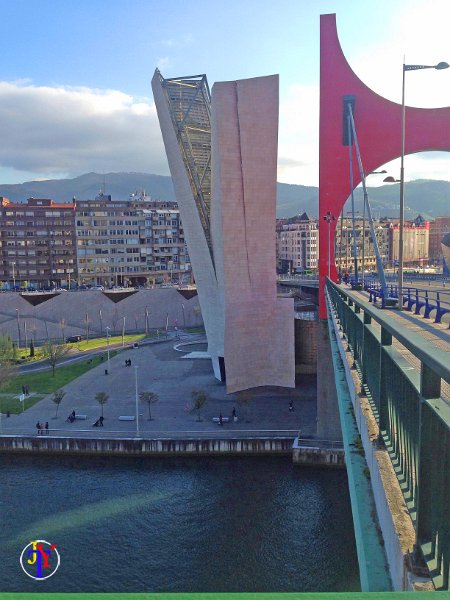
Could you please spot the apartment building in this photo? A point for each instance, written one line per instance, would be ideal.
(438, 229)
(297, 244)
(37, 243)
(134, 242)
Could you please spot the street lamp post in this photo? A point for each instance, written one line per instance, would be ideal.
(439, 66)
(329, 218)
(184, 316)
(107, 343)
(136, 399)
(14, 275)
(363, 256)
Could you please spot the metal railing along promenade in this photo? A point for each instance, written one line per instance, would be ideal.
(435, 303)
(412, 416)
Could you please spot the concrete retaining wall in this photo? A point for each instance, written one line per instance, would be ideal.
(133, 447)
(44, 320)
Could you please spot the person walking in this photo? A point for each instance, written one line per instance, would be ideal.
(38, 427)
(46, 427)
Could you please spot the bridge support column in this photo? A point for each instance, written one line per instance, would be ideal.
(328, 420)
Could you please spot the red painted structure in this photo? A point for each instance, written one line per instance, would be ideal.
(378, 124)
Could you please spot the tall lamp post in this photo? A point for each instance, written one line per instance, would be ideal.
(439, 67)
(363, 255)
(136, 399)
(14, 275)
(329, 218)
(107, 343)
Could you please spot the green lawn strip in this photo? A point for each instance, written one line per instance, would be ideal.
(117, 339)
(11, 404)
(44, 382)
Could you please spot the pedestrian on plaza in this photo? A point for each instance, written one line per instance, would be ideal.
(46, 427)
(220, 419)
(23, 390)
(291, 406)
(100, 421)
(234, 415)
(38, 427)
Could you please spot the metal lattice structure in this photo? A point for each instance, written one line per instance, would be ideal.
(189, 103)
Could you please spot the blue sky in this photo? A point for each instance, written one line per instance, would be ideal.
(75, 76)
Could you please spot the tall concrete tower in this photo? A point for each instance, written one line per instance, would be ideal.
(222, 153)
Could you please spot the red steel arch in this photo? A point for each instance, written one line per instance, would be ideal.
(378, 123)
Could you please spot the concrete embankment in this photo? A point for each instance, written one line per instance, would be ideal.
(151, 447)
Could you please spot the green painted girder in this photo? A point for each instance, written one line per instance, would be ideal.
(373, 568)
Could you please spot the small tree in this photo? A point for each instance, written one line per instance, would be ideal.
(150, 398)
(102, 398)
(199, 399)
(57, 399)
(54, 353)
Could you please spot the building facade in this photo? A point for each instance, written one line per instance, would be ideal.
(130, 243)
(37, 243)
(438, 229)
(297, 244)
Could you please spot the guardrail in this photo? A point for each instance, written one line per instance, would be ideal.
(414, 298)
(413, 418)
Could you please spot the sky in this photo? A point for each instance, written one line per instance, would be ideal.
(75, 93)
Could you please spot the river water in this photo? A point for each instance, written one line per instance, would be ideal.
(248, 524)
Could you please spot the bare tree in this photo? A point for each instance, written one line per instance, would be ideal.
(57, 399)
(54, 352)
(150, 398)
(102, 398)
(199, 399)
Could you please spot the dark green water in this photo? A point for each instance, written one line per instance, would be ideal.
(178, 525)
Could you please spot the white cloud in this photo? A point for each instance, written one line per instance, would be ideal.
(51, 130)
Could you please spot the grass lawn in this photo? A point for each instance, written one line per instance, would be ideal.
(116, 339)
(10, 403)
(44, 382)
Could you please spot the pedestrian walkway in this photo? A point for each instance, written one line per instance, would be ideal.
(437, 334)
(163, 370)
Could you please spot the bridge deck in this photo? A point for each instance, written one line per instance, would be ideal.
(436, 333)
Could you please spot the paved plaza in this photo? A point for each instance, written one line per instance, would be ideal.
(163, 370)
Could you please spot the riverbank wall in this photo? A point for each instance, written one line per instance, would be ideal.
(307, 456)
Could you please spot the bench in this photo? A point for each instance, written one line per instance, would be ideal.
(224, 419)
(127, 418)
(81, 417)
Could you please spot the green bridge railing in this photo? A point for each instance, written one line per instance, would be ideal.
(413, 418)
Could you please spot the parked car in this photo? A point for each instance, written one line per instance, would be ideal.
(73, 339)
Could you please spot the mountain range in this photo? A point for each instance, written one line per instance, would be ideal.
(430, 198)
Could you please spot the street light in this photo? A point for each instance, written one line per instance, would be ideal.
(107, 343)
(363, 256)
(329, 218)
(184, 316)
(439, 67)
(136, 398)
(14, 275)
